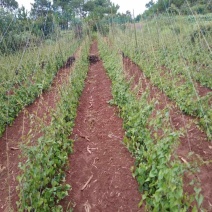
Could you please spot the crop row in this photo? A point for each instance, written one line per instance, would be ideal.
(151, 140)
(28, 75)
(163, 73)
(17, 67)
(41, 184)
(180, 46)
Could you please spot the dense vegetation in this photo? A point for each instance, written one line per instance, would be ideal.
(19, 28)
(34, 45)
(31, 72)
(177, 7)
(42, 190)
(173, 47)
(172, 51)
(152, 141)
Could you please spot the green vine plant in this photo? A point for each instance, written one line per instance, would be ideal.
(152, 141)
(166, 58)
(42, 180)
(27, 78)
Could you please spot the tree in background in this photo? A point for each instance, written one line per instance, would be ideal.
(18, 27)
(98, 12)
(138, 18)
(22, 13)
(40, 8)
(63, 11)
(41, 13)
(9, 4)
(15, 30)
(149, 4)
(11, 36)
(97, 9)
(178, 7)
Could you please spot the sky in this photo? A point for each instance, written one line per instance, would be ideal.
(137, 5)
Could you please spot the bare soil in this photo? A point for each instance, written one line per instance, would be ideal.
(202, 90)
(17, 133)
(194, 140)
(99, 170)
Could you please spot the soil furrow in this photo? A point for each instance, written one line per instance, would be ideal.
(200, 89)
(194, 140)
(27, 121)
(99, 171)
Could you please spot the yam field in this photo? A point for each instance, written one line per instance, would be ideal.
(106, 116)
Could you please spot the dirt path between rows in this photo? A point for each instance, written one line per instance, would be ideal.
(99, 171)
(194, 139)
(16, 134)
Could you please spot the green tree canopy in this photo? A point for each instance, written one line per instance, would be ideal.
(41, 8)
(149, 4)
(178, 6)
(9, 4)
(99, 8)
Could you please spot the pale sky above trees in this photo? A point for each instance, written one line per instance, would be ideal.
(137, 5)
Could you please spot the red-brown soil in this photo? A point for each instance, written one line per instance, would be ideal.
(99, 171)
(201, 90)
(16, 135)
(194, 140)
